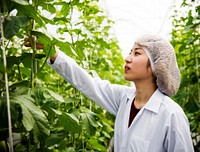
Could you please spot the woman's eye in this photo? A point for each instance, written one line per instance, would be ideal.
(137, 53)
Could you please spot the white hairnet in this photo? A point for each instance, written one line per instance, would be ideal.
(163, 62)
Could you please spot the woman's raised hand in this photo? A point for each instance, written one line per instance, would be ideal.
(39, 46)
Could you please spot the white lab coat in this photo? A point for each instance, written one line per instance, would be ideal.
(160, 126)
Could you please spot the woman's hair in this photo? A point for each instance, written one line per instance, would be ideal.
(154, 78)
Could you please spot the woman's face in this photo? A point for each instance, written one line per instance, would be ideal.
(137, 67)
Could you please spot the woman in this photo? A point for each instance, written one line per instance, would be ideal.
(147, 119)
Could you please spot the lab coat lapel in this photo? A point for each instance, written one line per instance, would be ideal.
(153, 105)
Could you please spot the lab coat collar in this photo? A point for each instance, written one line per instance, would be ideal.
(154, 102)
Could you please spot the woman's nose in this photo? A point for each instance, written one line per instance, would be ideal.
(128, 59)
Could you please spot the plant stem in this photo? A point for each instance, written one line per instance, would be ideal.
(33, 46)
(32, 41)
(7, 86)
(46, 58)
(71, 14)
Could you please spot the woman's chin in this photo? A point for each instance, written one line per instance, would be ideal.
(127, 78)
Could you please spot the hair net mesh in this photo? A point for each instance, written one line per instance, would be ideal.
(165, 67)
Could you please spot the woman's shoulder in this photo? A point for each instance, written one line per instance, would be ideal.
(171, 108)
(171, 104)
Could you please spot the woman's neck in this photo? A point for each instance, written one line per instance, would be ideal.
(143, 93)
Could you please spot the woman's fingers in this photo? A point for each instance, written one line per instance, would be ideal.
(39, 46)
(28, 44)
(26, 39)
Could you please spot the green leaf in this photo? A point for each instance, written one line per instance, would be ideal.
(13, 24)
(57, 112)
(21, 2)
(55, 95)
(33, 118)
(29, 11)
(71, 149)
(47, 20)
(19, 90)
(89, 122)
(24, 83)
(26, 71)
(65, 46)
(65, 8)
(70, 100)
(79, 47)
(20, 147)
(95, 144)
(47, 6)
(62, 19)
(55, 139)
(69, 122)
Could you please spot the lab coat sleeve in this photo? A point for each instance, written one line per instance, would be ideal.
(101, 91)
(178, 137)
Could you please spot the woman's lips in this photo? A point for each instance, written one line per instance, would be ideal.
(126, 68)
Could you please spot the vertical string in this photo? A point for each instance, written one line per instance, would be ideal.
(7, 87)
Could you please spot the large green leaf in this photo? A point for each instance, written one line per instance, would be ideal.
(30, 11)
(15, 119)
(33, 118)
(41, 94)
(13, 24)
(88, 121)
(68, 121)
